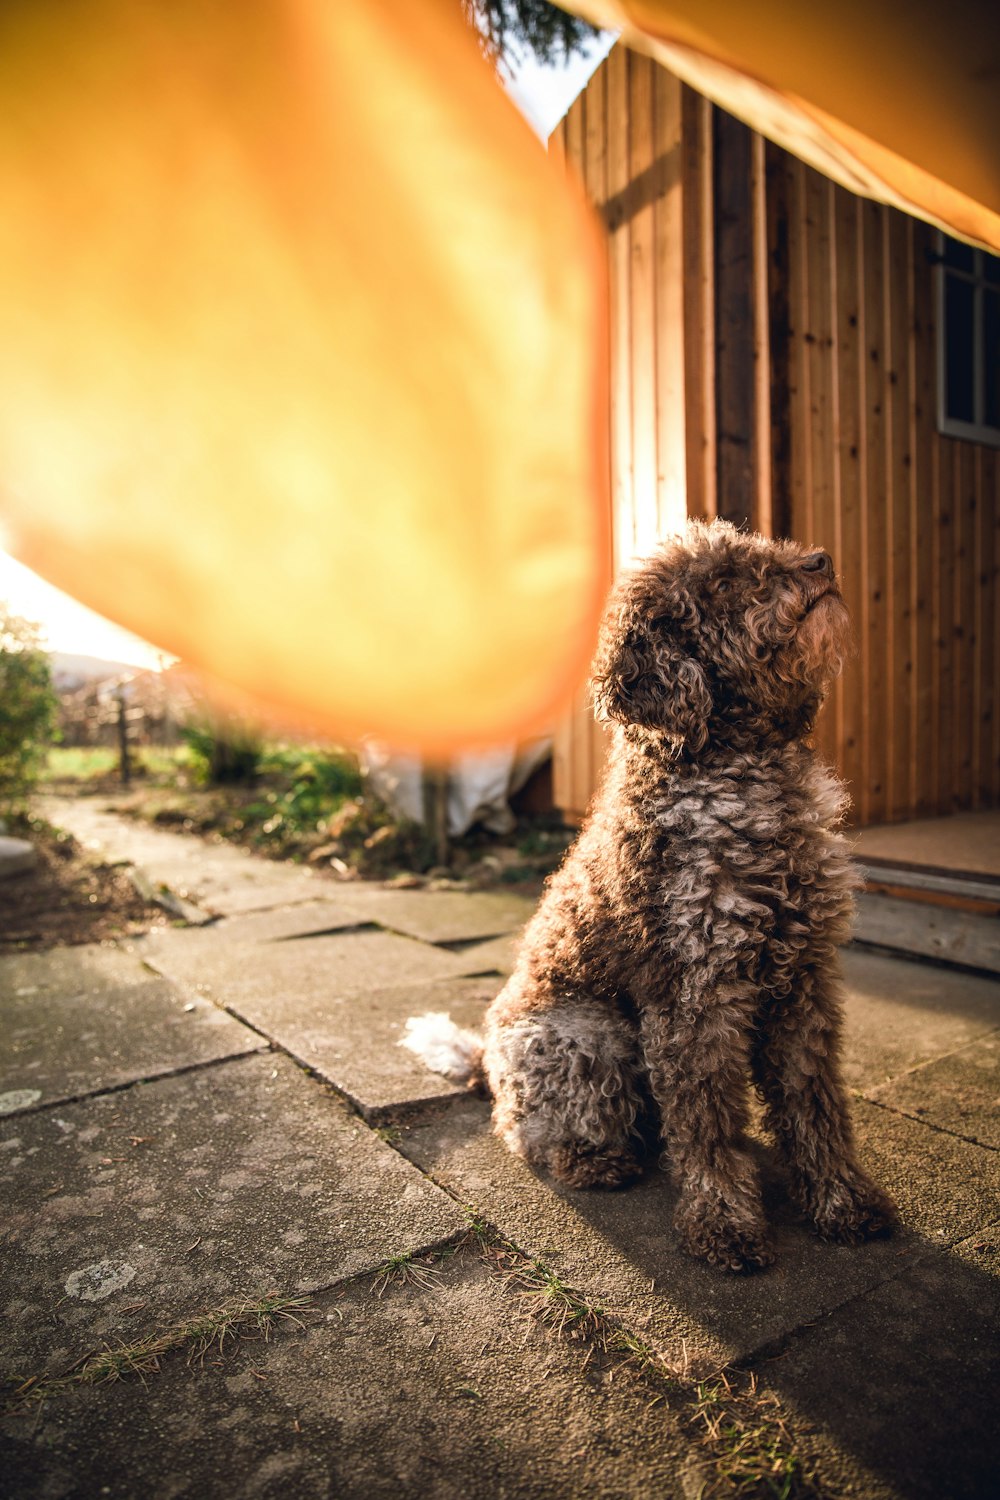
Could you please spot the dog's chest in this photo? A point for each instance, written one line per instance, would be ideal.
(763, 841)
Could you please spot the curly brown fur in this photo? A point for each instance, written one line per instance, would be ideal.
(688, 943)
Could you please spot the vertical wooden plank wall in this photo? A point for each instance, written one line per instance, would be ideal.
(845, 448)
(580, 142)
(911, 517)
(623, 139)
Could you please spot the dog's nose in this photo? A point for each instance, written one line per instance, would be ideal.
(819, 562)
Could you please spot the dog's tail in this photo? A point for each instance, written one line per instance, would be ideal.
(446, 1048)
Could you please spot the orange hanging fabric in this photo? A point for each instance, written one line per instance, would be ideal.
(302, 373)
(897, 101)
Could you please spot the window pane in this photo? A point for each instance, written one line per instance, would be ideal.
(958, 255)
(958, 305)
(991, 268)
(991, 358)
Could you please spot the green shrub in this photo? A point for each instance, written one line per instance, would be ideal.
(307, 787)
(224, 752)
(27, 708)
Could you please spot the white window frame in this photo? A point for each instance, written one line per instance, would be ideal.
(977, 431)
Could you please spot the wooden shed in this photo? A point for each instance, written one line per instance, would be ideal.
(812, 364)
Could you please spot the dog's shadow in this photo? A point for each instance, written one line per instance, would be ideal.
(888, 1347)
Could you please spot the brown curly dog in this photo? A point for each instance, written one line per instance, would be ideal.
(689, 941)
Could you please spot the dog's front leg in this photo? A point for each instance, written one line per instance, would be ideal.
(696, 1052)
(795, 1066)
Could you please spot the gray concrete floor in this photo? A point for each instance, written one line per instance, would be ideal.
(223, 1112)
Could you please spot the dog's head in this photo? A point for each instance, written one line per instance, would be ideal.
(722, 634)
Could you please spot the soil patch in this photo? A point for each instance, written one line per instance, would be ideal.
(69, 897)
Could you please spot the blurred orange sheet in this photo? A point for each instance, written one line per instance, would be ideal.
(895, 99)
(304, 352)
(303, 357)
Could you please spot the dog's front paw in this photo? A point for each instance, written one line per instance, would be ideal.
(850, 1210)
(740, 1246)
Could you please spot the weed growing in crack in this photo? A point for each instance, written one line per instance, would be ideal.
(247, 1318)
(740, 1430)
(405, 1270)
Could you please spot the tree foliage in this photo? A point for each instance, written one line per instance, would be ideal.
(28, 707)
(509, 28)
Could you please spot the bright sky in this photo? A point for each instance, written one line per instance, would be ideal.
(543, 95)
(67, 625)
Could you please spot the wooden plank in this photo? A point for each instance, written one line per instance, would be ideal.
(875, 644)
(851, 449)
(699, 303)
(995, 626)
(668, 210)
(900, 769)
(762, 516)
(777, 165)
(951, 936)
(596, 137)
(574, 135)
(923, 527)
(642, 295)
(583, 146)
(965, 631)
(734, 320)
(945, 461)
(622, 485)
(986, 627)
(800, 431)
(824, 506)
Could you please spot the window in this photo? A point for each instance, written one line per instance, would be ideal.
(968, 322)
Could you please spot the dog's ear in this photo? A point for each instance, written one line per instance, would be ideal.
(642, 676)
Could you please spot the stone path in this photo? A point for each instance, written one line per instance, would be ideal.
(221, 1112)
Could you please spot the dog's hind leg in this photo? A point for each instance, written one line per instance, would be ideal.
(569, 1092)
(795, 1068)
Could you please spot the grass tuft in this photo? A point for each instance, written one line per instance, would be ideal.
(247, 1318)
(405, 1270)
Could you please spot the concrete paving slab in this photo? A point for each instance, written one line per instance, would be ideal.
(903, 1377)
(121, 837)
(338, 1020)
(435, 1392)
(352, 1040)
(960, 1092)
(307, 970)
(225, 886)
(447, 916)
(76, 1020)
(303, 919)
(127, 1210)
(459, 917)
(620, 1247)
(496, 956)
(254, 890)
(237, 881)
(219, 877)
(899, 1015)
